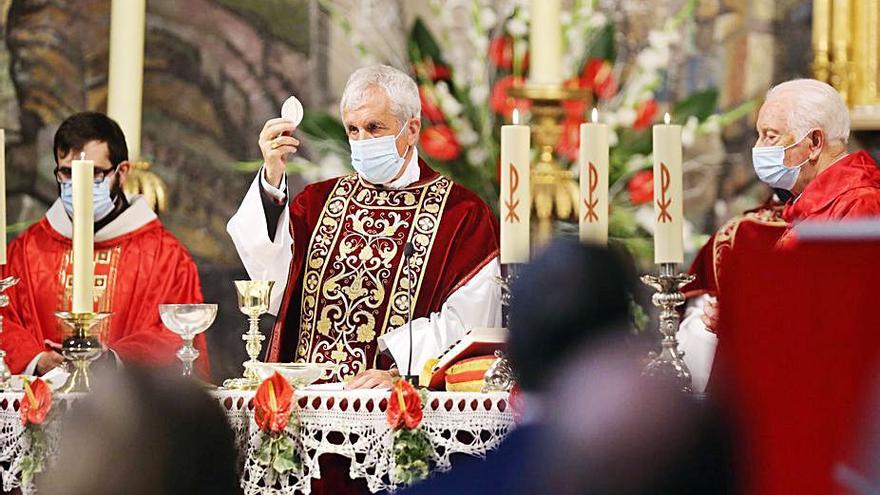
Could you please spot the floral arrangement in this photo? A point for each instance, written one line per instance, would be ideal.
(465, 101)
(273, 408)
(35, 409)
(411, 447)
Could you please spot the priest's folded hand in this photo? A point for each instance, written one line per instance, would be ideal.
(276, 141)
(710, 315)
(372, 379)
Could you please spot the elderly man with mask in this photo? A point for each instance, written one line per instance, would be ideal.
(138, 264)
(357, 258)
(801, 152)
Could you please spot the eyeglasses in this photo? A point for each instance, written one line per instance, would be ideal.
(65, 174)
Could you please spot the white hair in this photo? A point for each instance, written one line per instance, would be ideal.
(814, 104)
(400, 88)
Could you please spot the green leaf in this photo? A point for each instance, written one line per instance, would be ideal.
(323, 126)
(423, 45)
(701, 104)
(603, 46)
(283, 464)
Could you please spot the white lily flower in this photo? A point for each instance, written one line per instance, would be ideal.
(517, 27)
(488, 18)
(477, 156)
(467, 136)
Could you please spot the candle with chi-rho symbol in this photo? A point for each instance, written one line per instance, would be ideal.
(515, 202)
(593, 168)
(668, 194)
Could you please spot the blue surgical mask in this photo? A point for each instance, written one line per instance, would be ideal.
(769, 163)
(103, 202)
(376, 159)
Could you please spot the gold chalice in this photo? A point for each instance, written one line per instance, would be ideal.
(253, 300)
(80, 346)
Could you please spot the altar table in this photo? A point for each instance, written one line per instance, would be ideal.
(351, 424)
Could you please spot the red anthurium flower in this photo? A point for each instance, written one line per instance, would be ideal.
(36, 402)
(273, 404)
(503, 104)
(599, 76)
(439, 143)
(404, 406)
(501, 52)
(645, 114)
(517, 403)
(430, 108)
(641, 187)
(569, 141)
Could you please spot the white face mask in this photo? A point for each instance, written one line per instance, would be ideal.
(101, 198)
(769, 163)
(376, 159)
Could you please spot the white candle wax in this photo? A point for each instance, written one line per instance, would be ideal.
(125, 85)
(515, 201)
(668, 194)
(545, 43)
(593, 167)
(83, 236)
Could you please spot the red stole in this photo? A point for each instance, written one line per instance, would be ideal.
(347, 283)
(134, 273)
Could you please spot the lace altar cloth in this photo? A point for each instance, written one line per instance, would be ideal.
(351, 424)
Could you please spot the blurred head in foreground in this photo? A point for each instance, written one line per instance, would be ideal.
(571, 295)
(145, 432)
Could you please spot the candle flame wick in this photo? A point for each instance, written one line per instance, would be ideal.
(666, 118)
(595, 116)
(515, 117)
(82, 156)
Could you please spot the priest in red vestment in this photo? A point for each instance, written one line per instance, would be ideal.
(356, 258)
(138, 264)
(803, 130)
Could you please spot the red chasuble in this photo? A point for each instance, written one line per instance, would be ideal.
(348, 284)
(134, 273)
(850, 188)
(760, 228)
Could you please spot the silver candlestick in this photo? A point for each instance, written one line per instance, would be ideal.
(669, 361)
(509, 274)
(5, 374)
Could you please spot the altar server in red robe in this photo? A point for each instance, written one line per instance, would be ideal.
(340, 251)
(138, 264)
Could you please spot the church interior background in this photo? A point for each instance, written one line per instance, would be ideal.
(215, 70)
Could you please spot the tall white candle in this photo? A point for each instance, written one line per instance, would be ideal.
(593, 166)
(83, 235)
(125, 83)
(668, 194)
(2, 196)
(515, 204)
(545, 43)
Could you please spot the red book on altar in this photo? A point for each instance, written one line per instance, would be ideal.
(476, 342)
(798, 360)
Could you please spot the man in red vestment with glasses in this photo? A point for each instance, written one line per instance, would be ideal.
(803, 129)
(349, 253)
(138, 264)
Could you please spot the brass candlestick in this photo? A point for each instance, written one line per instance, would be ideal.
(5, 374)
(554, 189)
(253, 300)
(669, 362)
(80, 347)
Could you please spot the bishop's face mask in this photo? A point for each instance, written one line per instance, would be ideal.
(769, 163)
(376, 159)
(101, 197)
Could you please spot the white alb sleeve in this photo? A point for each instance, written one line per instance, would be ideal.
(476, 304)
(697, 343)
(263, 258)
